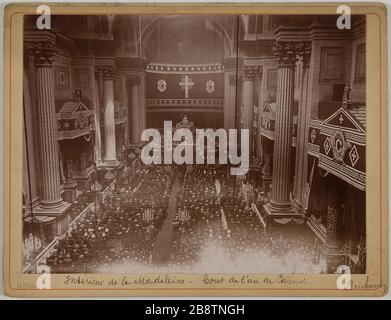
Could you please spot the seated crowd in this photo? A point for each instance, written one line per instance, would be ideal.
(211, 209)
(122, 227)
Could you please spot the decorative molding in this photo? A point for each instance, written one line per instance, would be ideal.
(184, 68)
(315, 123)
(346, 173)
(313, 149)
(185, 102)
(135, 80)
(317, 227)
(304, 51)
(250, 72)
(43, 52)
(350, 136)
(107, 72)
(285, 52)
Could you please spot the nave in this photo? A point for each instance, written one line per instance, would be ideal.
(296, 85)
(196, 221)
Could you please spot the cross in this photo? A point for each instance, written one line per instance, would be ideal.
(340, 119)
(353, 155)
(186, 84)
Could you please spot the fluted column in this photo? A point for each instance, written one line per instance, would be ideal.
(110, 158)
(43, 53)
(126, 102)
(136, 110)
(301, 165)
(30, 153)
(248, 103)
(257, 130)
(280, 196)
(142, 97)
(229, 99)
(98, 138)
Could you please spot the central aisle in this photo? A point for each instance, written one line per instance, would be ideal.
(164, 238)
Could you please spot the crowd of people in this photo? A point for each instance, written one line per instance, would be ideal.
(198, 215)
(121, 228)
(211, 209)
(214, 209)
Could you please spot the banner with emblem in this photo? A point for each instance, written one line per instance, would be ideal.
(184, 84)
(342, 146)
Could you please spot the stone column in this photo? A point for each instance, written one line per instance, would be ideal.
(229, 99)
(30, 153)
(266, 166)
(280, 205)
(98, 139)
(51, 200)
(109, 120)
(257, 133)
(142, 95)
(136, 111)
(301, 165)
(126, 102)
(248, 103)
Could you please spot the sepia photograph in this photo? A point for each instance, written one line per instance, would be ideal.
(199, 143)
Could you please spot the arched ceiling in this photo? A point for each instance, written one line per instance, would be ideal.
(176, 38)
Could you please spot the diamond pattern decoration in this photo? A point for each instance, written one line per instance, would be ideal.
(353, 155)
(327, 146)
(313, 135)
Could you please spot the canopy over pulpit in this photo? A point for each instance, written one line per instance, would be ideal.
(74, 132)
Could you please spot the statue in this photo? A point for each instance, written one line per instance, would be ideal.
(346, 103)
(185, 124)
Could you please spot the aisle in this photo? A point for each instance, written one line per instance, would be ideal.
(164, 239)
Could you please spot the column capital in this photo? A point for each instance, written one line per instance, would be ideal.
(135, 80)
(97, 71)
(107, 72)
(43, 52)
(260, 72)
(232, 79)
(285, 52)
(250, 72)
(303, 50)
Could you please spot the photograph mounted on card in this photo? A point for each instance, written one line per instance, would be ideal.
(181, 150)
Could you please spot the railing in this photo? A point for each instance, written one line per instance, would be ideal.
(50, 247)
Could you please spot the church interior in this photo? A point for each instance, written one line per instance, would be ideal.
(93, 83)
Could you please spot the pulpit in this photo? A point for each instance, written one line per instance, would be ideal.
(74, 125)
